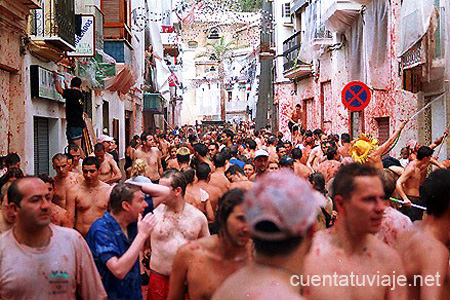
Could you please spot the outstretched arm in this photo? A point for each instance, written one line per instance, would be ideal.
(385, 147)
(58, 87)
(438, 141)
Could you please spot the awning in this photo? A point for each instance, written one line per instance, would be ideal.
(95, 70)
(123, 81)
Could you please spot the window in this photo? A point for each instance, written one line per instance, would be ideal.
(412, 79)
(383, 129)
(286, 10)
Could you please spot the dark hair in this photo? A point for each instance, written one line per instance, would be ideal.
(47, 179)
(423, 152)
(279, 146)
(344, 183)
(318, 181)
(58, 156)
(203, 170)
(14, 193)
(183, 158)
(99, 147)
(189, 174)
(226, 152)
(388, 180)
(233, 151)
(72, 146)
(331, 153)
(192, 138)
(435, 192)
(233, 170)
(144, 136)
(69, 156)
(256, 132)
(229, 133)
(226, 206)
(298, 105)
(317, 131)
(215, 145)
(75, 82)
(308, 133)
(296, 153)
(219, 160)
(177, 179)
(345, 138)
(122, 192)
(13, 173)
(12, 159)
(201, 149)
(91, 160)
(275, 248)
(251, 144)
(272, 140)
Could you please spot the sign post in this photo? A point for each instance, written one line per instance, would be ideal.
(356, 96)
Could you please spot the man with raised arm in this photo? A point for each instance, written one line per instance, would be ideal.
(178, 223)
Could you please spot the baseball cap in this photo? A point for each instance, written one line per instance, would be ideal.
(284, 199)
(183, 151)
(261, 152)
(104, 138)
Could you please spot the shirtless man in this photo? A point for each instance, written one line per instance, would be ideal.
(203, 176)
(87, 201)
(201, 266)
(213, 148)
(329, 167)
(151, 154)
(261, 162)
(351, 248)
(183, 157)
(343, 150)
(196, 196)
(218, 178)
(171, 160)
(178, 223)
(200, 152)
(64, 179)
(281, 210)
(409, 182)
(296, 118)
(317, 153)
(237, 178)
(109, 171)
(59, 215)
(75, 151)
(374, 158)
(424, 248)
(299, 168)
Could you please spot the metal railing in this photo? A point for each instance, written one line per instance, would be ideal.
(291, 48)
(56, 18)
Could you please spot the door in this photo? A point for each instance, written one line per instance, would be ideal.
(105, 116)
(383, 129)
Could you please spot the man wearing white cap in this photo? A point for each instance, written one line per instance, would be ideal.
(281, 210)
(261, 162)
(364, 267)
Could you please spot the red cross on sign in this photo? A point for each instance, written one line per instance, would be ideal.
(356, 96)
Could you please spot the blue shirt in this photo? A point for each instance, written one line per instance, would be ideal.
(235, 161)
(107, 240)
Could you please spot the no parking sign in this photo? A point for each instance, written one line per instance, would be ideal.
(356, 96)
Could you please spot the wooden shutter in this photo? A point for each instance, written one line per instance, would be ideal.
(383, 129)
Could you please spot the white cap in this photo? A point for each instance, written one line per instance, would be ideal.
(104, 138)
(261, 152)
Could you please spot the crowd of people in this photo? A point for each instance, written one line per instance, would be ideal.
(227, 212)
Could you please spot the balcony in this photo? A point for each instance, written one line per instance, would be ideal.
(322, 37)
(54, 24)
(153, 103)
(341, 15)
(293, 67)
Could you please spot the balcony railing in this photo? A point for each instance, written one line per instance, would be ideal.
(291, 48)
(54, 23)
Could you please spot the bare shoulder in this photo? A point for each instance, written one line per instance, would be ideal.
(194, 212)
(105, 187)
(382, 251)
